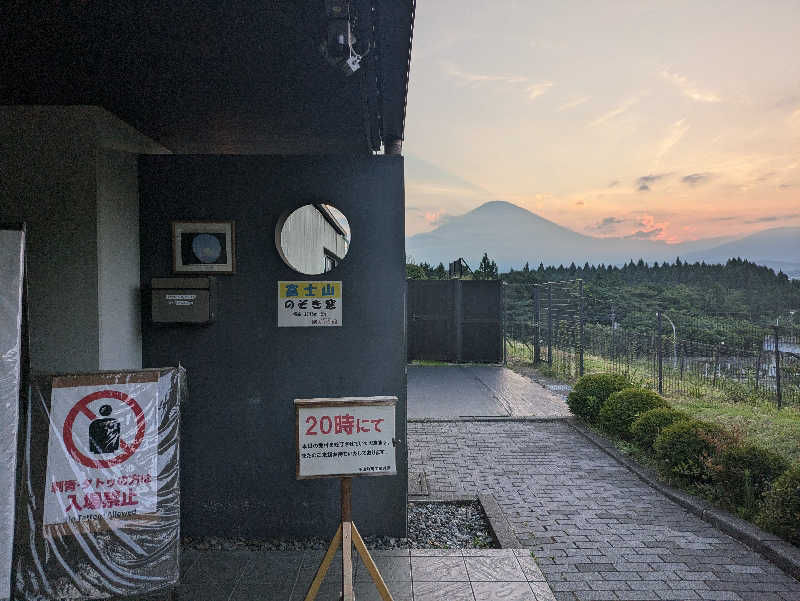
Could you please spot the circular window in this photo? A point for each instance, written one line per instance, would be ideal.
(313, 239)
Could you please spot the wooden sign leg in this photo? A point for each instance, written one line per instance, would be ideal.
(347, 541)
(313, 589)
(373, 569)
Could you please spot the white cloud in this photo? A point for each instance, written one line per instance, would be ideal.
(573, 103)
(621, 108)
(537, 89)
(689, 89)
(676, 131)
(794, 118)
(478, 78)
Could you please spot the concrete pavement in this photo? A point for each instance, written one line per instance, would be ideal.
(454, 391)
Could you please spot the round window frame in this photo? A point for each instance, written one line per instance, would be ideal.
(279, 229)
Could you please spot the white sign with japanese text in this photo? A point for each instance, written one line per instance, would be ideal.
(345, 437)
(102, 455)
(304, 304)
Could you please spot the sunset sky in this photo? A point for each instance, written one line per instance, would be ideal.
(665, 120)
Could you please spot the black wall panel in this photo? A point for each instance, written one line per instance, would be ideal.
(238, 454)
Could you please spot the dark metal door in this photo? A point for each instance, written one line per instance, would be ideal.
(430, 320)
(481, 321)
(455, 320)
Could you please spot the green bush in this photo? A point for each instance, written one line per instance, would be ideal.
(646, 428)
(623, 407)
(686, 448)
(591, 391)
(743, 475)
(780, 509)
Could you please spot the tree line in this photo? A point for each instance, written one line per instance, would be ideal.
(711, 301)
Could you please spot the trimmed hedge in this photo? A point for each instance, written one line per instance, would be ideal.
(646, 428)
(780, 509)
(591, 391)
(686, 447)
(744, 473)
(623, 407)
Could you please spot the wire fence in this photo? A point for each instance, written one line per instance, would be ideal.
(546, 324)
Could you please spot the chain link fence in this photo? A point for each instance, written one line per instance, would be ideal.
(546, 324)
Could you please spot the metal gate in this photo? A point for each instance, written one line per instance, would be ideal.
(455, 320)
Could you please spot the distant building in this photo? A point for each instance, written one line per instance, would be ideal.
(786, 345)
(314, 238)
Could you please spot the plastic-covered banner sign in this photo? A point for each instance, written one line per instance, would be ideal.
(12, 245)
(98, 512)
(102, 459)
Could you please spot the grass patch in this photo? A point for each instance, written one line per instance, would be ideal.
(428, 363)
(758, 420)
(761, 424)
(432, 363)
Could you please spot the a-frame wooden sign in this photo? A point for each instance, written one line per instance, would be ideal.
(343, 438)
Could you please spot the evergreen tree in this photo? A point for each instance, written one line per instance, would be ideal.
(487, 270)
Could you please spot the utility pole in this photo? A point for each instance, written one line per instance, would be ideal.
(550, 324)
(660, 357)
(674, 343)
(580, 328)
(778, 368)
(537, 329)
(613, 328)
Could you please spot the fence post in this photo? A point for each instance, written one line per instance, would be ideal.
(550, 324)
(778, 370)
(537, 331)
(758, 367)
(502, 292)
(660, 357)
(580, 330)
(613, 347)
(458, 319)
(716, 366)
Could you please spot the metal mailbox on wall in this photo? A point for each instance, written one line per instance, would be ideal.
(183, 300)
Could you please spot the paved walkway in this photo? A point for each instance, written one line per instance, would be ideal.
(416, 575)
(598, 532)
(477, 391)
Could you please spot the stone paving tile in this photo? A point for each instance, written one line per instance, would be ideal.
(443, 591)
(392, 569)
(505, 591)
(439, 569)
(410, 575)
(494, 569)
(366, 591)
(587, 519)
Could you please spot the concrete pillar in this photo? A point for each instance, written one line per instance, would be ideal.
(70, 173)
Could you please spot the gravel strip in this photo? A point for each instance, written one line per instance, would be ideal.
(430, 526)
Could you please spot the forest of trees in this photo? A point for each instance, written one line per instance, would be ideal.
(710, 301)
(487, 270)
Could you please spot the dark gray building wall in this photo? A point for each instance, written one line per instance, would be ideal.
(238, 455)
(118, 303)
(67, 172)
(47, 167)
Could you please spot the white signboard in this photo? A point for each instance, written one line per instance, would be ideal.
(102, 455)
(345, 437)
(309, 304)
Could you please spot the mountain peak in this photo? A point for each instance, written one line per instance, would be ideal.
(512, 235)
(497, 206)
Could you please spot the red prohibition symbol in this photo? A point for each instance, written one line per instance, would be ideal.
(82, 406)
